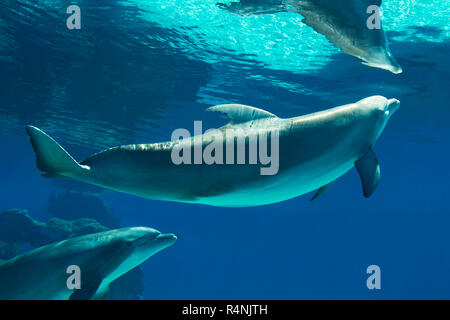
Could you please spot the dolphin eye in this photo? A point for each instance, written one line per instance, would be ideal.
(128, 243)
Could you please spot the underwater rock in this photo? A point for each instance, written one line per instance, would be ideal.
(74, 205)
(16, 226)
(8, 250)
(70, 229)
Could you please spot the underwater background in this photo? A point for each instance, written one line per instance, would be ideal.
(137, 70)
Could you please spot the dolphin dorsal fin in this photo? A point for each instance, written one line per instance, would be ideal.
(239, 113)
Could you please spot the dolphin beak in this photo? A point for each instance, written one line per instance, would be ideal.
(393, 105)
(382, 58)
(396, 69)
(165, 239)
(392, 64)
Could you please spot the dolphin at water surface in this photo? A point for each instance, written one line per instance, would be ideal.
(313, 151)
(41, 274)
(343, 23)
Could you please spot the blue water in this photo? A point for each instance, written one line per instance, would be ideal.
(137, 70)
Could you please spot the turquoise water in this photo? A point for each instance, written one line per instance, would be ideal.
(278, 41)
(137, 70)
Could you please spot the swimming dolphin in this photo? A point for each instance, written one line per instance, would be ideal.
(313, 151)
(343, 23)
(41, 274)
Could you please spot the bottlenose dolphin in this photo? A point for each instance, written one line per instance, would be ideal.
(343, 23)
(41, 274)
(313, 151)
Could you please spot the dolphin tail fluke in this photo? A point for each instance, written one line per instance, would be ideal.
(51, 158)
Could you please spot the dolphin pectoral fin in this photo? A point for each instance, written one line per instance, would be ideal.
(321, 190)
(87, 291)
(239, 113)
(51, 158)
(102, 292)
(369, 171)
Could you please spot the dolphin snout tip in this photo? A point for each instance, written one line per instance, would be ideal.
(391, 64)
(393, 105)
(168, 238)
(396, 68)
